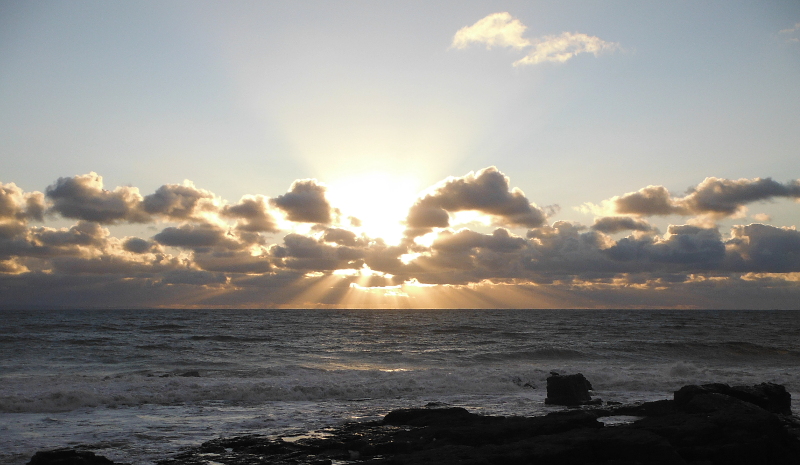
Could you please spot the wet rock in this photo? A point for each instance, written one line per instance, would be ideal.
(68, 457)
(771, 397)
(568, 390)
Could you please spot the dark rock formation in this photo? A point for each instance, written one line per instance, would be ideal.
(702, 425)
(568, 389)
(68, 457)
(769, 396)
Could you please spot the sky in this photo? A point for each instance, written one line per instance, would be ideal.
(458, 154)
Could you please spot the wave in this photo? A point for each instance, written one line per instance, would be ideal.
(98, 341)
(163, 327)
(229, 338)
(724, 350)
(541, 354)
(299, 384)
(291, 383)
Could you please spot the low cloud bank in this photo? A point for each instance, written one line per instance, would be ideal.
(296, 249)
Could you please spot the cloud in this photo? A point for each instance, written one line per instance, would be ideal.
(726, 197)
(649, 201)
(232, 261)
(305, 202)
(503, 30)
(18, 205)
(560, 48)
(500, 241)
(179, 202)
(253, 214)
(83, 233)
(615, 224)
(486, 191)
(495, 30)
(192, 236)
(714, 196)
(137, 245)
(301, 252)
(340, 236)
(217, 253)
(82, 197)
(763, 248)
(685, 248)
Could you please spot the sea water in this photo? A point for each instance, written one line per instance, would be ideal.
(139, 385)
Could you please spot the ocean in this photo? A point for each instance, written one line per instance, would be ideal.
(139, 385)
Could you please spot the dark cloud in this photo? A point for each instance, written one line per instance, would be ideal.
(11, 229)
(81, 239)
(305, 203)
(83, 197)
(500, 241)
(137, 245)
(252, 211)
(615, 224)
(232, 261)
(194, 236)
(109, 264)
(84, 233)
(193, 277)
(179, 202)
(713, 196)
(688, 247)
(763, 248)
(340, 236)
(306, 253)
(649, 201)
(486, 191)
(726, 196)
(564, 250)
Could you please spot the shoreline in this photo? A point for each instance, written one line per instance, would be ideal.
(708, 424)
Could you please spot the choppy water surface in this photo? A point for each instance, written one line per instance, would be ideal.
(112, 379)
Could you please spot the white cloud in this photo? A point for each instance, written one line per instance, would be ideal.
(561, 48)
(497, 29)
(503, 30)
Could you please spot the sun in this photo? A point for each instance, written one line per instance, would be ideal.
(379, 200)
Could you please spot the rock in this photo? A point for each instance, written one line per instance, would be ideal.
(191, 374)
(68, 457)
(428, 417)
(771, 397)
(716, 428)
(568, 390)
(702, 425)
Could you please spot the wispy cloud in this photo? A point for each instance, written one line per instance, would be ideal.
(495, 30)
(503, 30)
(791, 34)
(561, 48)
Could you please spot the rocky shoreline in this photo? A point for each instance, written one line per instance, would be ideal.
(708, 424)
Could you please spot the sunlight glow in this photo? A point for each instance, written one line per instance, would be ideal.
(380, 200)
(407, 258)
